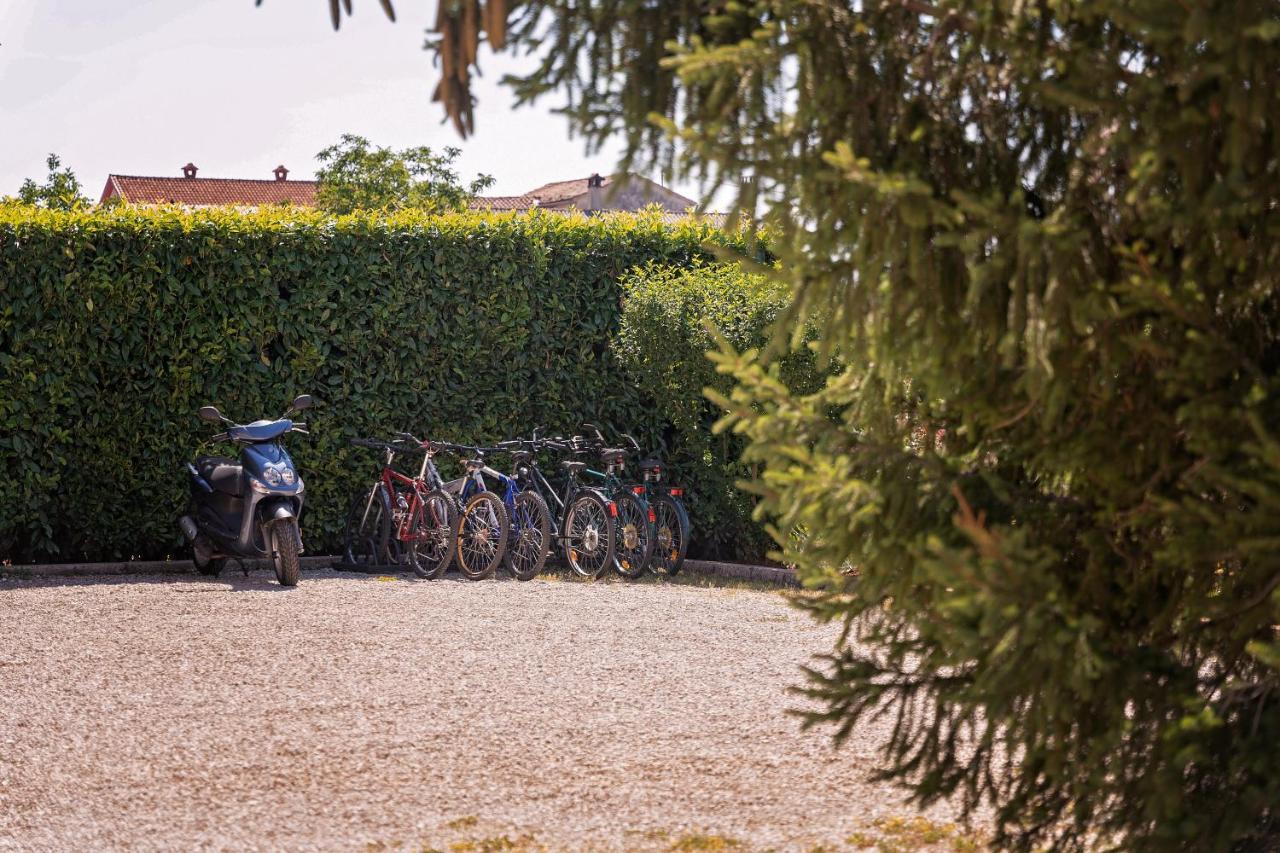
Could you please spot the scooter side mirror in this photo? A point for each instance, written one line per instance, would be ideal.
(211, 414)
(300, 402)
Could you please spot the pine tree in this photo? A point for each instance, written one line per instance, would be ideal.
(1044, 240)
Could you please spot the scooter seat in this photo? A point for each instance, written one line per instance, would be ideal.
(259, 430)
(222, 473)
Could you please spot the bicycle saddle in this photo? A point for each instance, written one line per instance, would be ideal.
(573, 466)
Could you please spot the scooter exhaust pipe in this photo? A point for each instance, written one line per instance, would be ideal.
(188, 527)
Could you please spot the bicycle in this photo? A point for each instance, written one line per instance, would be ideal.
(671, 519)
(483, 523)
(528, 535)
(636, 518)
(409, 511)
(583, 520)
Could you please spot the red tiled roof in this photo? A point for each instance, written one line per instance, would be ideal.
(200, 192)
(564, 190)
(503, 202)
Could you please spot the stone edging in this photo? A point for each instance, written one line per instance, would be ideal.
(139, 567)
(743, 571)
(738, 571)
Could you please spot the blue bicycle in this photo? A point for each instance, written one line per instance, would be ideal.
(527, 519)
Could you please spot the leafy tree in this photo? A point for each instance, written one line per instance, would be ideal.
(357, 176)
(1043, 239)
(60, 191)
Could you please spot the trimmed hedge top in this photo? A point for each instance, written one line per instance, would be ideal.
(116, 325)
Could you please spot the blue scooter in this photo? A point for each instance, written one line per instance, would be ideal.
(247, 507)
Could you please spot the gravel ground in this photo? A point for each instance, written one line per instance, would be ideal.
(356, 713)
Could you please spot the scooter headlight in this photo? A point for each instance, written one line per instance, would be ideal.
(288, 476)
(271, 476)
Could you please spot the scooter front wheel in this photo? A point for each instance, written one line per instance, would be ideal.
(284, 547)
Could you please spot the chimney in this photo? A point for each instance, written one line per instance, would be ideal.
(281, 173)
(189, 170)
(595, 197)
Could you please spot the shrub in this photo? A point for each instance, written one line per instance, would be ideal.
(671, 317)
(115, 326)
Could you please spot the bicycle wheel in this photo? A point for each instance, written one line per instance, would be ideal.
(671, 534)
(481, 532)
(530, 538)
(432, 537)
(588, 534)
(368, 531)
(634, 540)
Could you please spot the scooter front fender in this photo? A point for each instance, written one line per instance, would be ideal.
(273, 511)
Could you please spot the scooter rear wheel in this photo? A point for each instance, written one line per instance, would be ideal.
(213, 568)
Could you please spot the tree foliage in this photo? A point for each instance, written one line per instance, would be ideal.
(355, 175)
(1043, 239)
(61, 189)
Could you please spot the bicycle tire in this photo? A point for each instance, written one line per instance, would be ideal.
(433, 537)
(588, 532)
(481, 532)
(529, 541)
(671, 536)
(365, 538)
(634, 540)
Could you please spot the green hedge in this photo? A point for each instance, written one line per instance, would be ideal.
(662, 344)
(115, 326)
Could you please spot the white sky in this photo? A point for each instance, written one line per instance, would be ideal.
(143, 86)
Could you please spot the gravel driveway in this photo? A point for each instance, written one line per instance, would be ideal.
(358, 713)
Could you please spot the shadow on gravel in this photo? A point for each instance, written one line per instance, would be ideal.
(228, 581)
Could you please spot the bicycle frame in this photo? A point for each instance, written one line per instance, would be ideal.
(558, 503)
(610, 482)
(417, 485)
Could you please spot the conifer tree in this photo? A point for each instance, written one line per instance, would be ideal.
(1043, 238)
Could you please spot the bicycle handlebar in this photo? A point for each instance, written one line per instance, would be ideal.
(378, 444)
(458, 449)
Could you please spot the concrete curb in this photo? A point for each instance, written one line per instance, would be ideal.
(743, 571)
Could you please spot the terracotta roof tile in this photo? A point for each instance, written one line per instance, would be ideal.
(503, 202)
(201, 192)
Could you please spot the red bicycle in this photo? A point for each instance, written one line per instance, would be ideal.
(400, 517)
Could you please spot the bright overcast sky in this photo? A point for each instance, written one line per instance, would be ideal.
(140, 87)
